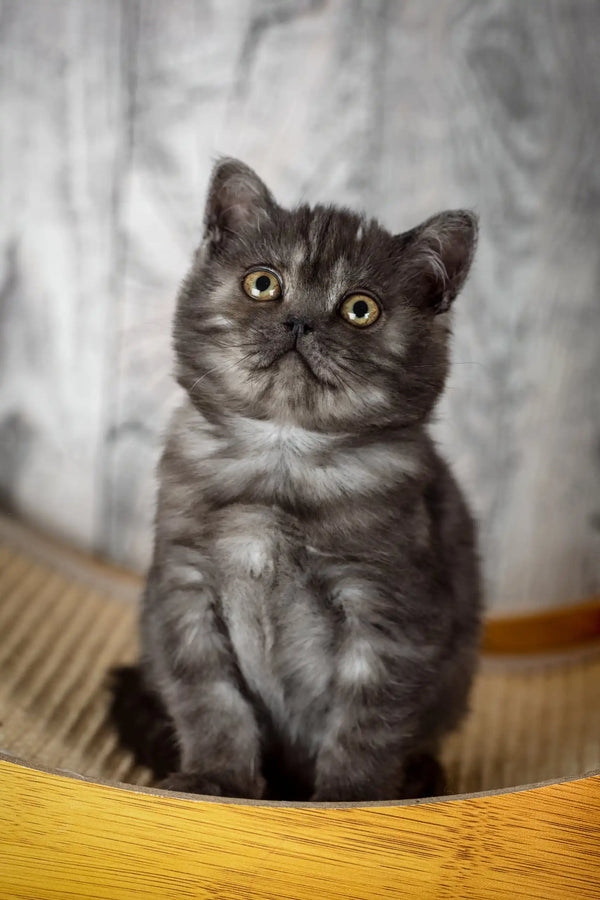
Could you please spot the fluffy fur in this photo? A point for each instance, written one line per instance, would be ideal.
(311, 616)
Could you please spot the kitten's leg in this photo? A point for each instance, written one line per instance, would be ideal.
(369, 751)
(363, 752)
(194, 670)
(372, 746)
(219, 739)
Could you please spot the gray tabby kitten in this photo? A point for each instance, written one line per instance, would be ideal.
(311, 617)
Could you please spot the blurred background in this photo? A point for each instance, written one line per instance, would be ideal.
(111, 114)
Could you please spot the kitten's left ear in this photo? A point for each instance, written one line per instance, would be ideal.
(236, 199)
(438, 254)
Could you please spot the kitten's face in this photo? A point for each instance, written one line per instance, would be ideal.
(314, 316)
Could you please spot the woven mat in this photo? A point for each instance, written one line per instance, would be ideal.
(64, 622)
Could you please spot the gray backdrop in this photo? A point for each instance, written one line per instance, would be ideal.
(111, 113)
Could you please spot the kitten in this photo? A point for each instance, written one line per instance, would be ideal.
(311, 617)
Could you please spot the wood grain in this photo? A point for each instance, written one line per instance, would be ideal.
(65, 838)
(111, 115)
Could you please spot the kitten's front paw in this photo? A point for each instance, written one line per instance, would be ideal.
(191, 783)
(212, 785)
(347, 793)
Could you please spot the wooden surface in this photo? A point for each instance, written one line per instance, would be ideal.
(543, 632)
(111, 114)
(64, 838)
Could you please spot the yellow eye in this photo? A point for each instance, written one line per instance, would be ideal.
(360, 310)
(262, 285)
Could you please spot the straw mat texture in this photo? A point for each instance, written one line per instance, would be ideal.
(65, 621)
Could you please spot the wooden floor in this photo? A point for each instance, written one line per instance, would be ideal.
(111, 114)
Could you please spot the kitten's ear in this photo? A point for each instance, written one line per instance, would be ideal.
(438, 254)
(236, 198)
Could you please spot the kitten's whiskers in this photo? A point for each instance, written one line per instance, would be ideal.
(228, 368)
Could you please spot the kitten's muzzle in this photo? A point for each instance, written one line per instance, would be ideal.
(298, 327)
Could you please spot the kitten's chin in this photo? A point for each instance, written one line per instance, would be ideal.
(307, 370)
(295, 364)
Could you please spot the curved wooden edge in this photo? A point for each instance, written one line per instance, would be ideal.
(61, 838)
(286, 804)
(555, 629)
(20, 763)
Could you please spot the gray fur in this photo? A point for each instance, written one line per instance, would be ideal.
(314, 592)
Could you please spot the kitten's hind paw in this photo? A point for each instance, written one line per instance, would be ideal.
(190, 783)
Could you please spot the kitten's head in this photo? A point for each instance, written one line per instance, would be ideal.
(316, 316)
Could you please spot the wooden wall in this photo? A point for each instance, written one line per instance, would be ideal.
(110, 115)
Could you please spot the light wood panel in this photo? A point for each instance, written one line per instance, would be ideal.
(111, 115)
(61, 837)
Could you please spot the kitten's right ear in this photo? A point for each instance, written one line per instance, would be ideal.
(438, 254)
(236, 198)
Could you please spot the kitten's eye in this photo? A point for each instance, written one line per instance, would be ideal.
(262, 285)
(360, 310)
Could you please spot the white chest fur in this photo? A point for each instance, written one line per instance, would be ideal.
(281, 461)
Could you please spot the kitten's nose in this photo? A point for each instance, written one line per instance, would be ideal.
(298, 327)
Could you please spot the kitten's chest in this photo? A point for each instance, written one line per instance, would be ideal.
(280, 630)
(276, 463)
(288, 465)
